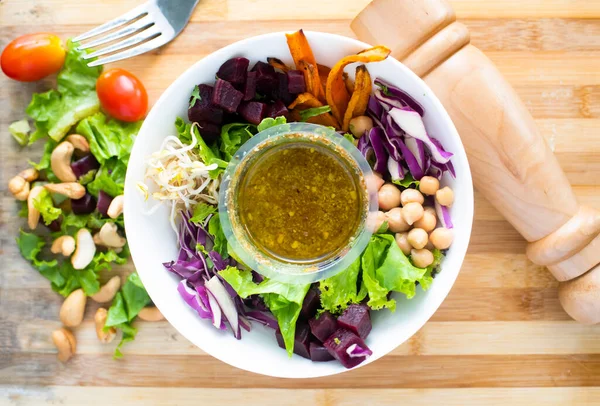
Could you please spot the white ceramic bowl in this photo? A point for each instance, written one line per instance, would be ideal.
(152, 241)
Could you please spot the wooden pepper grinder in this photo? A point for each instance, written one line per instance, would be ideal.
(511, 163)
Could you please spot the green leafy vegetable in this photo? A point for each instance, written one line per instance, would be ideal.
(372, 258)
(283, 300)
(44, 164)
(20, 131)
(125, 307)
(110, 178)
(195, 96)
(384, 89)
(43, 203)
(207, 154)
(341, 290)
(233, 136)
(88, 177)
(313, 112)
(271, 122)
(108, 138)
(57, 110)
(407, 182)
(201, 212)
(427, 279)
(215, 229)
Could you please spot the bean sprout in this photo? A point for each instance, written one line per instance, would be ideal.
(182, 180)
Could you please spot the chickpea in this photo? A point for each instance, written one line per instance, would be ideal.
(421, 258)
(429, 185)
(411, 195)
(388, 196)
(395, 221)
(376, 180)
(412, 212)
(445, 196)
(429, 245)
(442, 238)
(427, 222)
(360, 125)
(417, 237)
(431, 210)
(402, 241)
(376, 220)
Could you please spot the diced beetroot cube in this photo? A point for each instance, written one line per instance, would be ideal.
(324, 326)
(209, 132)
(296, 83)
(301, 340)
(250, 86)
(84, 165)
(277, 109)
(347, 347)
(226, 96)
(356, 318)
(282, 91)
(234, 70)
(318, 353)
(266, 80)
(54, 226)
(103, 203)
(203, 109)
(311, 303)
(253, 112)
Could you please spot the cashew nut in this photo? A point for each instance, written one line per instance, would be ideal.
(110, 237)
(65, 244)
(65, 343)
(85, 249)
(107, 291)
(150, 314)
(72, 309)
(33, 215)
(107, 336)
(19, 188)
(116, 207)
(29, 174)
(60, 162)
(72, 190)
(79, 142)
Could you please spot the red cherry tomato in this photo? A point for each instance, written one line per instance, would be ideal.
(122, 95)
(32, 57)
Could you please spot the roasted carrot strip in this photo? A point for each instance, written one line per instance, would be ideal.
(323, 74)
(337, 95)
(360, 96)
(278, 64)
(306, 101)
(305, 61)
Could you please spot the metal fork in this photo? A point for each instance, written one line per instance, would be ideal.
(146, 27)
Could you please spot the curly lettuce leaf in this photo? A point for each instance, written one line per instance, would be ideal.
(233, 136)
(201, 212)
(208, 154)
(108, 138)
(427, 279)
(44, 204)
(371, 259)
(407, 182)
(220, 241)
(271, 122)
(57, 110)
(283, 300)
(110, 178)
(341, 290)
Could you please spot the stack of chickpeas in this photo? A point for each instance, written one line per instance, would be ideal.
(416, 226)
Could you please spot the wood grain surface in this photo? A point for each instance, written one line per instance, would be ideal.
(501, 336)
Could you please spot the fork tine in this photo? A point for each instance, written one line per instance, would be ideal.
(112, 24)
(148, 46)
(136, 39)
(141, 24)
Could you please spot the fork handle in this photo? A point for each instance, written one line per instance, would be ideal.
(512, 165)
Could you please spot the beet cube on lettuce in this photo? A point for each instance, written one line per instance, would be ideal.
(201, 107)
(356, 318)
(323, 326)
(347, 347)
(226, 96)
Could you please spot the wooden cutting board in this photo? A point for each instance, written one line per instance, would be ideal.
(501, 336)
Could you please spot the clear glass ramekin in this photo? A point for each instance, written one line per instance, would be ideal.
(237, 237)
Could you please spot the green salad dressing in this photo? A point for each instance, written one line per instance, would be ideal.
(299, 202)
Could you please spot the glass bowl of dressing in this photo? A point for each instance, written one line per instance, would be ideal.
(295, 203)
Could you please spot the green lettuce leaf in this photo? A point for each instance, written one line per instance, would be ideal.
(271, 122)
(108, 138)
(20, 131)
(215, 229)
(407, 182)
(427, 279)
(283, 300)
(372, 258)
(341, 290)
(396, 273)
(57, 110)
(125, 307)
(233, 136)
(110, 178)
(44, 204)
(313, 112)
(201, 212)
(208, 154)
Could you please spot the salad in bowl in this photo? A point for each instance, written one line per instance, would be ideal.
(298, 191)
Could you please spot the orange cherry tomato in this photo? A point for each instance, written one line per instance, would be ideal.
(122, 95)
(32, 57)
